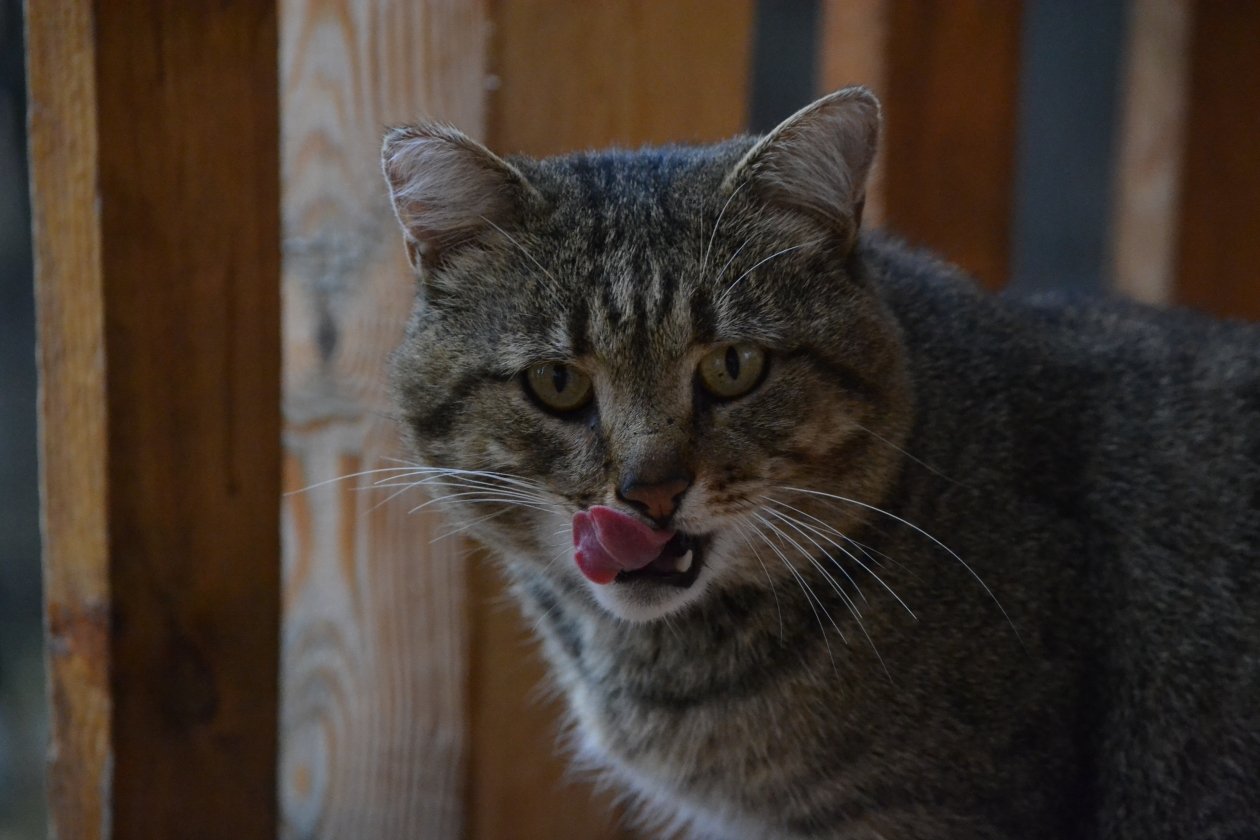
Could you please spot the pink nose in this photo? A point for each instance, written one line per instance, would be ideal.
(657, 500)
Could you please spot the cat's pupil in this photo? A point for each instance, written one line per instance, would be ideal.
(732, 363)
(559, 378)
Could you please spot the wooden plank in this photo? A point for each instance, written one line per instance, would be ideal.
(584, 75)
(853, 51)
(175, 334)
(1219, 242)
(1152, 135)
(952, 80)
(70, 308)
(650, 73)
(374, 733)
(189, 190)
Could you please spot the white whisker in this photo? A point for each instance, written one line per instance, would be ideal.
(916, 528)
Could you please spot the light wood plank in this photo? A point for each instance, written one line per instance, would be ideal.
(574, 76)
(853, 50)
(1152, 135)
(375, 637)
(72, 413)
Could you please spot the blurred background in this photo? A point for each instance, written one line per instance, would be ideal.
(23, 719)
(1093, 146)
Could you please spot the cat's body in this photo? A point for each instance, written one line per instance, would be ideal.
(1036, 524)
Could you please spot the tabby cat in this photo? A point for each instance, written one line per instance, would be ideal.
(821, 540)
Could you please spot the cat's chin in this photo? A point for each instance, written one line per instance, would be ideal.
(661, 588)
(642, 601)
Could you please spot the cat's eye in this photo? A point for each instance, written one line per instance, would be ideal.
(732, 370)
(559, 387)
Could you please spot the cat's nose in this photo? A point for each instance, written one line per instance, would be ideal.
(656, 498)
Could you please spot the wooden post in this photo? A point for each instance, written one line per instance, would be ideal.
(155, 170)
(1147, 181)
(375, 722)
(948, 74)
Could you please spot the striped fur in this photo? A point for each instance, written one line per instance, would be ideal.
(977, 567)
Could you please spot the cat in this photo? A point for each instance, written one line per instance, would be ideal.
(820, 539)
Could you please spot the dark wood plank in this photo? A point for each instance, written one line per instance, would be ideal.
(1219, 242)
(951, 81)
(181, 196)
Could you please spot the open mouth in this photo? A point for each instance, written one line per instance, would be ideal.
(677, 565)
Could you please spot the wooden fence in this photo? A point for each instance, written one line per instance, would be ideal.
(213, 243)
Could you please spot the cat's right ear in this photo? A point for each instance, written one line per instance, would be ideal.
(447, 189)
(817, 160)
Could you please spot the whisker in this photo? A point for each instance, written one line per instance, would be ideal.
(810, 597)
(762, 262)
(848, 553)
(853, 610)
(739, 529)
(345, 477)
(914, 458)
(717, 224)
(798, 528)
(779, 533)
(720, 274)
(916, 528)
(521, 247)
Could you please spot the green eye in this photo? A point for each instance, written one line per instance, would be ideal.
(559, 387)
(732, 370)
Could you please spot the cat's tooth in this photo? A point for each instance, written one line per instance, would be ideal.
(683, 563)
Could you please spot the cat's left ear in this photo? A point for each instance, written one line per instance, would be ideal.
(448, 190)
(818, 159)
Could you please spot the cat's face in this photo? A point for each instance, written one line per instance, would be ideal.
(677, 335)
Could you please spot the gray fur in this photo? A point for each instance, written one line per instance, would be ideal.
(1084, 658)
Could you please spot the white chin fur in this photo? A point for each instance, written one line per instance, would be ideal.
(641, 603)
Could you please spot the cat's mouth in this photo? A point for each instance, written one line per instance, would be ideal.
(678, 564)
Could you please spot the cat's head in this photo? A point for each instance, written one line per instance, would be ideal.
(679, 338)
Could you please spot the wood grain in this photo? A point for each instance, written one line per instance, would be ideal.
(156, 181)
(1219, 240)
(1149, 158)
(73, 459)
(574, 76)
(374, 735)
(950, 114)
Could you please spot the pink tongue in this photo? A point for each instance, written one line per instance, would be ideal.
(608, 541)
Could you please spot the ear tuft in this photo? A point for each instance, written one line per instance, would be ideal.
(817, 160)
(447, 189)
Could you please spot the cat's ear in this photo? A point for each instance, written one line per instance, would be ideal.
(447, 189)
(818, 159)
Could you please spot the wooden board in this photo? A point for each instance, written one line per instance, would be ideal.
(374, 728)
(853, 51)
(72, 413)
(952, 78)
(159, 325)
(1219, 241)
(649, 73)
(583, 75)
(1152, 136)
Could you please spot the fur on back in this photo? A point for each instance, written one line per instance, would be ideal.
(974, 566)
